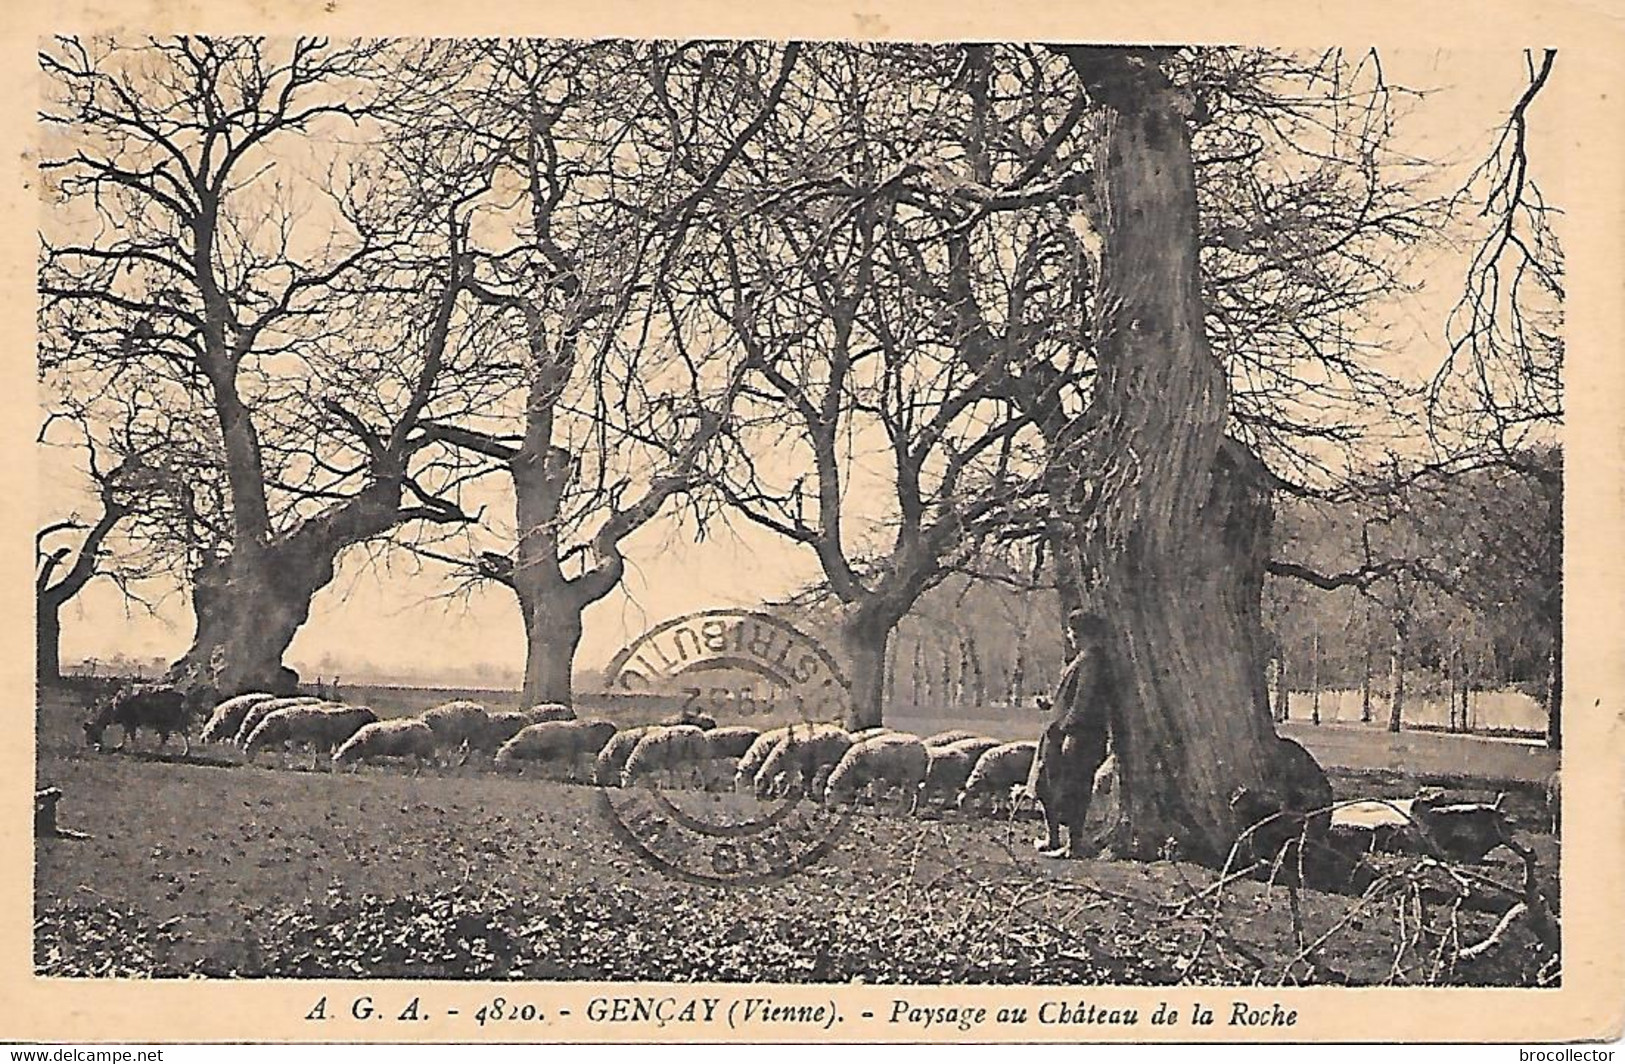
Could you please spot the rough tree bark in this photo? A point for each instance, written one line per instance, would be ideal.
(1455, 691)
(864, 630)
(1554, 677)
(47, 646)
(917, 678)
(250, 605)
(889, 684)
(550, 603)
(1466, 699)
(1018, 667)
(1165, 521)
(1554, 693)
(971, 668)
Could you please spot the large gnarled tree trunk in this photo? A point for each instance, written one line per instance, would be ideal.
(865, 629)
(551, 603)
(1164, 522)
(251, 604)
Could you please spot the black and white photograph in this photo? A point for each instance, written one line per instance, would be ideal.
(553, 509)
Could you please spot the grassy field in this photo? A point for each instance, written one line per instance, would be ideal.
(208, 866)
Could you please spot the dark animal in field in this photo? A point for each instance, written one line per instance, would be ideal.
(1466, 831)
(1432, 822)
(1286, 825)
(161, 708)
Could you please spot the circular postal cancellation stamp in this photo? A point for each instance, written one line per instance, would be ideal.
(726, 667)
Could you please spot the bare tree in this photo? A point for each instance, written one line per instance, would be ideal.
(1173, 568)
(186, 254)
(1498, 396)
(862, 437)
(619, 405)
(54, 586)
(1132, 538)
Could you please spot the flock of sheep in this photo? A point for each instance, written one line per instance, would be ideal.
(959, 768)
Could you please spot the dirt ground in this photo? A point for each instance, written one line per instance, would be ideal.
(216, 868)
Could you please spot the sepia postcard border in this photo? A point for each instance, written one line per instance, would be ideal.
(1590, 100)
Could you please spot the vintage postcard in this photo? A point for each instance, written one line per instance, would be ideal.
(935, 523)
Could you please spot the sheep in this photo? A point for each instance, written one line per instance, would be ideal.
(500, 727)
(324, 728)
(163, 708)
(687, 715)
(723, 749)
(611, 760)
(455, 724)
(1466, 831)
(797, 760)
(997, 771)
(951, 765)
(751, 761)
(946, 772)
(974, 747)
(228, 717)
(555, 741)
(665, 748)
(595, 735)
(866, 734)
(543, 712)
(402, 737)
(901, 761)
(948, 738)
(260, 710)
(730, 742)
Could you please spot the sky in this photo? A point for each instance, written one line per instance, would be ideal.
(405, 626)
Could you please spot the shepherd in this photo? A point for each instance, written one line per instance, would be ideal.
(1076, 740)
